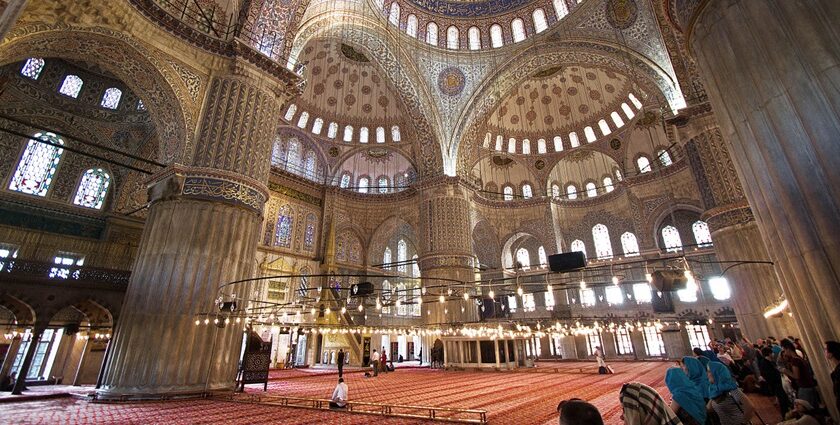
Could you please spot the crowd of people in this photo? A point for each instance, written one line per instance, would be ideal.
(709, 387)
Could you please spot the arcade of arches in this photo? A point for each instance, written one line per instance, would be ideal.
(181, 179)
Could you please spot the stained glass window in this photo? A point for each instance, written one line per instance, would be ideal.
(508, 193)
(37, 166)
(402, 256)
(380, 135)
(608, 184)
(541, 146)
(618, 174)
(577, 245)
(348, 133)
(601, 237)
(517, 27)
(345, 180)
(605, 128)
(332, 131)
(511, 145)
(474, 38)
(527, 193)
(111, 98)
(549, 300)
(591, 190)
(394, 16)
(571, 191)
(92, 189)
(555, 191)
(614, 294)
(383, 184)
(540, 24)
(140, 105)
(541, 256)
(71, 86)
(411, 26)
(395, 133)
(617, 120)
(364, 135)
(635, 101)
(523, 259)
(558, 144)
(452, 41)
(386, 296)
(317, 125)
(364, 182)
(432, 33)
(560, 8)
(526, 147)
(415, 268)
(627, 111)
(290, 113)
(293, 156)
(283, 231)
(309, 234)
(629, 244)
(671, 237)
(32, 68)
(496, 39)
(643, 163)
(590, 134)
(642, 293)
(278, 152)
(303, 119)
(386, 258)
(664, 158)
(573, 140)
(701, 233)
(310, 165)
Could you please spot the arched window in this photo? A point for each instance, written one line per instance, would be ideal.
(317, 126)
(560, 8)
(643, 163)
(383, 184)
(293, 156)
(140, 105)
(71, 86)
(395, 134)
(571, 191)
(701, 233)
(309, 232)
(363, 134)
(310, 165)
(432, 33)
(523, 259)
(496, 38)
(591, 190)
(290, 113)
(386, 258)
(474, 38)
(517, 27)
(541, 256)
(415, 271)
(635, 101)
(540, 24)
(415, 297)
(541, 148)
(364, 182)
(617, 120)
(37, 165)
(303, 119)
(332, 131)
(671, 237)
(527, 193)
(555, 190)
(601, 237)
(348, 133)
(402, 256)
(283, 230)
(511, 145)
(499, 141)
(573, 140)
(508, 193)
(590, 134)
(578, 246)
(345, 180)
(629, 244)
(618, 174)
(605, 128)
(452, 41)
(608, 184)
(278, 153)
(411, 26)
(92, 189)
(558, 144)
(526, 146)
(394, 15)
(380, 135)
(111, 98)
(386, 296)
(627, 111)
(32, 68)
(664, 157)
(402, 296)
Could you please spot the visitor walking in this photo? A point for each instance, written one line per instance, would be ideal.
(578, 412)
(340, 361)
(642, 405)
(384, 360)
(374, 361)
(686, 398)
(339, 395)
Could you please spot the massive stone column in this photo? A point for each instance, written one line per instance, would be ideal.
(9, 15)
(201, 232)
(771, 70)
(735, 232)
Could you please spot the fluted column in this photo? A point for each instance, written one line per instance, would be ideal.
(771, 70)
(201, 232)
(447, 251)
(755, 286)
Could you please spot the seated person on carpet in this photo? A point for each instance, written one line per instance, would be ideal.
(642, 405)
(802, 414)
(339, 395)
(686, 398)
(578, 412)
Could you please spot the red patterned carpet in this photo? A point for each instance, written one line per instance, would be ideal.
(509, 397)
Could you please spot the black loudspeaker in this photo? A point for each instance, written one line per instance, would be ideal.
(668, 280)
(361, 289)
(566, 262)
(662, 304)
(490, 308)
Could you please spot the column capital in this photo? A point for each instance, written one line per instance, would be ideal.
(180, 181)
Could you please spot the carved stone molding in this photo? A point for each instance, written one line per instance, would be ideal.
(208, 184)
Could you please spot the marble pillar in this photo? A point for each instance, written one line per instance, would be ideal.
(201, 232)
(755, 286)
(10, 14)
(771, 71)
(34, 338)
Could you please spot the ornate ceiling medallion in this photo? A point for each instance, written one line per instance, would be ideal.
(621, 14)
(451, 81)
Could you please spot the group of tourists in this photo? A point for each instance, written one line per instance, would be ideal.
(709, 387)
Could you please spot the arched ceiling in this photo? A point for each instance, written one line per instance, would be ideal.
(558, 100)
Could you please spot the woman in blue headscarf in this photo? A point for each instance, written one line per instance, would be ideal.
(687, 400)
(698, 374)
(730, 404)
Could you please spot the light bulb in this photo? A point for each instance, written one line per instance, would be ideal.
(361, 308)
(582, 284)
(615, 280)
(549, 288)
(206, 321)
(343, 310)
(327, 311)
(442, 299)
(197, 322)
(491, 294)
(449, 291)
(466, 296)
(519, 291)
(649, 277)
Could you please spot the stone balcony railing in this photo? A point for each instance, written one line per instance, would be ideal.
(13, 269)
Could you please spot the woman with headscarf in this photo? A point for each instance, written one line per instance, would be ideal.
(642, 405)
(686, 399)
(698, 374)
(727, 400)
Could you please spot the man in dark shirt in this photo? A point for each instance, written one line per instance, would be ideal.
(340, 361)
(832, 353)
(800, 373)
(773, 379)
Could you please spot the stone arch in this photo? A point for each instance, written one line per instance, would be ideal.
(663, 214)
(387, 232)
(486, 244)
(519, 67)
(518, 240)
(23, 311)
(370, 36)
(128, 61)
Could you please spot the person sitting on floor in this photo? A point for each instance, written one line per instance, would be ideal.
(642, 405)
(578, 412)
(686, 398)
(729, 403)
(802, 414)
(339, 395)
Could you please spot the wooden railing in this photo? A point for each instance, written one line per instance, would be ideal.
(432, 413)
